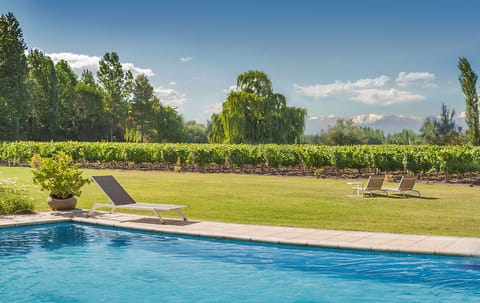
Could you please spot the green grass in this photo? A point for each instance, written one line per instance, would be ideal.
(452, 210)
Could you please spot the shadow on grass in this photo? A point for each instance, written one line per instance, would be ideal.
(394, 196)
(166, 221)
(400, 196)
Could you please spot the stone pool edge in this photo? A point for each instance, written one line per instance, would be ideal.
(338, 239)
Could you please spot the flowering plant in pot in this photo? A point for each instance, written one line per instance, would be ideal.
(60, 177)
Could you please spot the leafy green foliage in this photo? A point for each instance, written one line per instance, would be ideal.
(142, 103)
(13, 73)
(442, 130)
(254, 114)
(344, 132)
(66, 83)
(195, 133)
(405, 137)
(44, 118)
(117, 87)
(417, 159)
(58, 175)
(14, 198)
(468, 80)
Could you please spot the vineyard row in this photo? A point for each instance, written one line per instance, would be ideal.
(384, 158)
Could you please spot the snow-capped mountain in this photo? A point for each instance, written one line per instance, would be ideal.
(389, 124)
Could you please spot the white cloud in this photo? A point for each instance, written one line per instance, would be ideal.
(213, 108)
(385, 96)
(373, 91)
(421, 79)
(79, 63)
(366, 118)
(171, 97)
(137, 70)
(172, 83)
(185, 59)
(231, 88)
(325, 90)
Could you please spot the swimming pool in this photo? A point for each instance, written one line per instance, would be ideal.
(71, 262)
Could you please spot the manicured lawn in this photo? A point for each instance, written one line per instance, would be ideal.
(452, 210)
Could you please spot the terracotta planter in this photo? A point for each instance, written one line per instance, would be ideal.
(62, 204)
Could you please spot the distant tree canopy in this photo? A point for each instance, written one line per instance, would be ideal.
(253, 113)
(442, 130)
(344, 132)
(43, 101)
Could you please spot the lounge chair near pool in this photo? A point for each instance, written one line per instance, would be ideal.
(374, 183)
(406, 185)
(121, 199)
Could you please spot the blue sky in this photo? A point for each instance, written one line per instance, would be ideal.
(340, 58)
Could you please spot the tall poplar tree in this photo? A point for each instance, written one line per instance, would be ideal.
(13, 73)
(117, 86)
(90, 121)
(66, 82)
(42, 82)
(142, 102)
(468, 81)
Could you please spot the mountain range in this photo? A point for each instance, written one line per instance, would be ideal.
(388, 123)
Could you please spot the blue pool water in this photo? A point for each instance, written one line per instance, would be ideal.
(84, 263)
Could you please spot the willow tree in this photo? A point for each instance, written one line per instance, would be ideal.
(468, 81)
(253, 113)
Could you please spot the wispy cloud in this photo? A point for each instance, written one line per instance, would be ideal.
(386, 96)
(231, 88)
(213, 108)
(172, 83)
(171, 97)
(80, 62)
(185, 59)
(421, 79)
(77, 62)
(325, 90)
(374, 91)
(137, 70)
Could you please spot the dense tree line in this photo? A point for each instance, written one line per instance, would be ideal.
(43, 101)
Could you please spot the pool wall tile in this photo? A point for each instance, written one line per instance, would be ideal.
(371, 241)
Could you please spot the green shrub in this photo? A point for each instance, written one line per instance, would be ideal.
(58, 175)
(14, 198)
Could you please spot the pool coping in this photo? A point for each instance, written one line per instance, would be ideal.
(340, 239)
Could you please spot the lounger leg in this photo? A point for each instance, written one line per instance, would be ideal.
(158, 215)
(180, 213)
(91, 213)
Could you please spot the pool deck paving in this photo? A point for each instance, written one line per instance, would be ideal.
(373, 241)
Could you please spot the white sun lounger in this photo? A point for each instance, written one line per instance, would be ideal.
(374, 183)
(405, 185)
(121, 199)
